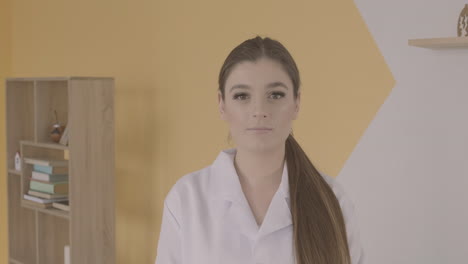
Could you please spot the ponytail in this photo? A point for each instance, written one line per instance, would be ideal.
(319, 231)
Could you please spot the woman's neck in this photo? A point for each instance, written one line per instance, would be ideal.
(259, 169)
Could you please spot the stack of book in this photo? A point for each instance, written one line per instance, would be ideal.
(48, 184)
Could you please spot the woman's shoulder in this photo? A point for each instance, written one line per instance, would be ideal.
(193, 178)
(187, 187)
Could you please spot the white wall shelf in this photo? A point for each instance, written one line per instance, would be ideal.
(440, 43)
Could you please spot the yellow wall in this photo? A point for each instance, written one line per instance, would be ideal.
(165, 56)
(5, 66)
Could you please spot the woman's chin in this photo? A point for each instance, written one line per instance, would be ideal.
(260, 145)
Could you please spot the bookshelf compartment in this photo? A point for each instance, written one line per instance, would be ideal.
(56, 231)
(21, 225)
(51, 97)
(19, 116)
(43, 152)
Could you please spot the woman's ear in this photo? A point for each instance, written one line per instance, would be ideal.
(298, 102)
(221, 106)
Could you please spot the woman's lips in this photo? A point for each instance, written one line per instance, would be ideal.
(259, 130)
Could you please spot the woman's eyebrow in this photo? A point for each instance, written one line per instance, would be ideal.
(277, 84)
(269, 86)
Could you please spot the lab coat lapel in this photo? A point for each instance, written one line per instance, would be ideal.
(279, 214)
(242, 217)
(226, 185)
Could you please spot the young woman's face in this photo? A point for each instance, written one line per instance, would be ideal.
(259, 95)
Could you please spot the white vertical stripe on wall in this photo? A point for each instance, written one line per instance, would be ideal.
(408, 176)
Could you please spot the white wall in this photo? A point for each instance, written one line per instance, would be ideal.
(408, 176)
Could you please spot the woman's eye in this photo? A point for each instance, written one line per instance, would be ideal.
(243, 96)
(277, 95)
(239, 95)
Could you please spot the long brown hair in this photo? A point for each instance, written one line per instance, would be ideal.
(318, 226)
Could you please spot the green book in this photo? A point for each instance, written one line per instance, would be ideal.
(50, 169)
(52, 187)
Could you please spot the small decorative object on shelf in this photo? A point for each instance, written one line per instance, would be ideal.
(66, 254)
(18, 161)
(57, 130)
(64, 137)
(462, 26)
(447, 42)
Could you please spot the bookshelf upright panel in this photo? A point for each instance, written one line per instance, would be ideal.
(92, 167)
(19, 126)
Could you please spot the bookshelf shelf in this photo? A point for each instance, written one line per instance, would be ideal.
(50, 211)
(39, 235)
(14, 261)
(14, 172)
(439, 43)
(44, 145)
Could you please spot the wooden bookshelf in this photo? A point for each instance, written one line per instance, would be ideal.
(86, 104)
(440, 43)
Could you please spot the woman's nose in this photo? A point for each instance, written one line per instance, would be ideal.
(259, 110)
(260, 115)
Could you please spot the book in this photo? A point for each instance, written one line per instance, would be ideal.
(49, 187)
(36, 180)
(36, 204)
(45, 162)
(49, 177)
(42, 200)
(50, 169)
(46, 195)
(62, 205)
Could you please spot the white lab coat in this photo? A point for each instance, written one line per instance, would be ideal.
(207, 220)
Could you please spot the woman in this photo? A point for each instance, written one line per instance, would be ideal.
(263, 201)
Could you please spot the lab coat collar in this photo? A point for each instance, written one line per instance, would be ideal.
(226, 185)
